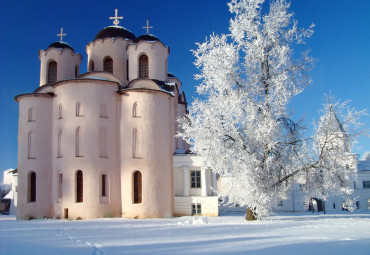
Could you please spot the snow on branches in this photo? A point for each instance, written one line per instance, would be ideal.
(241, 125)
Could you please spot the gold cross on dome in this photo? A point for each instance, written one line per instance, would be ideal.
(147, 27)
(116, 18)
(61, 34)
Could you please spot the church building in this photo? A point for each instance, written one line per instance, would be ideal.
(102, 143)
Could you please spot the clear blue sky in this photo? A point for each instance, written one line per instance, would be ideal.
(341, 43)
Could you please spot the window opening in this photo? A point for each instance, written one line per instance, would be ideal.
(137, 187)
(143, 67)
(195, 179)
(108, 65)
(52, 72)
(79, 186)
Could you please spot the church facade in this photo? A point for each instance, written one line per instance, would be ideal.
(102, 143)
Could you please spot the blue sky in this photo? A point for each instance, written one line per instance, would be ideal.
(341, 43)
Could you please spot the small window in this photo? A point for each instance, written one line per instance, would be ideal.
(108, 65)
(60, 112)
(79, 186)
(52, 72)
(30, 115)
(31, 145)
(91, 66)
(127, 70)
(135, 110)
(143, 67)
(366, 184)
(79, 112)
(196, 209)
(76, 71)
(195, 179)
(77, 142)
(137, 188)
(333, 205)
(32, 187)
(59, 144)
(103, 185)
(357, 204)
(280, 203)
(60, 187)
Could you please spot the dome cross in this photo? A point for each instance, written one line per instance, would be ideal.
(147, 27)
(116, 18)
(61, 34)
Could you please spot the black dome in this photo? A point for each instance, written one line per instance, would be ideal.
(60, 45)
(115, 31)
(147, 37)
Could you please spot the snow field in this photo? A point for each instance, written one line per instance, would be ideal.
(281, 234)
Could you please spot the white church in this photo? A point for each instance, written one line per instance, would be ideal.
(102, 143)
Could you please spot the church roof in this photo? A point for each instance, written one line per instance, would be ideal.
(335, 125)
(115, 31)
(60, 45)
(147, 37)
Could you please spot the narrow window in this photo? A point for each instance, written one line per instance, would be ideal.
(127, 70)
(31, 145)
(32, 187)
(76, 71)
(91, 66)
(79, 186)
(103, 143)
(60, 187)
(30, 115)
(143, 67)
(108, 65)
(103, 186)
(103, 110)
(78, 109)
(137, 188)
(135, 110)
(136, 144)
(59, 144)
(77, 143)
(52, 72)
(357, 204)
(333, 205)
(196, 209)
(60, 112)
(195, 179)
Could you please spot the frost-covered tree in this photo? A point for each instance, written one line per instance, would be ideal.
(241, 125)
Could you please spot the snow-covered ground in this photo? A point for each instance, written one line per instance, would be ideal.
(286, 234)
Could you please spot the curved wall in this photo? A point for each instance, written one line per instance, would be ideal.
(34, 157)
(155, 154)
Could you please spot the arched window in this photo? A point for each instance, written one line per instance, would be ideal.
(103, 110)
(59, 144)
(79, 112)
(52, 72)
(77, 143)
(76, 71)
(136, 144)
(60, 187)
(137, 188)
(32, 187)
(31, 145)
(91, 66)
(60, 112)
(103, 143)
(108, 65)
(79, 187)
(143, 67)
(30, 115)
(135, 110)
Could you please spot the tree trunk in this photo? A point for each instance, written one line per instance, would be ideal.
(250, 215)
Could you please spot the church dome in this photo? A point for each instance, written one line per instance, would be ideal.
(115, 31)
(60, 45)
(147, 37)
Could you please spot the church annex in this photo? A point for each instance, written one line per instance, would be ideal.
(102, 143)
